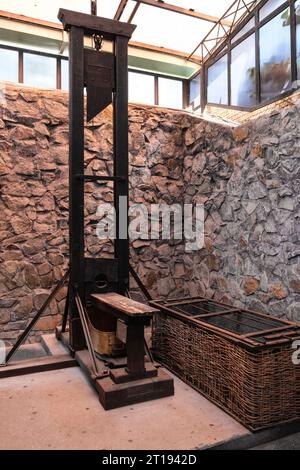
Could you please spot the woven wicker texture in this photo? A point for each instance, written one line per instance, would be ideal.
(259, 388)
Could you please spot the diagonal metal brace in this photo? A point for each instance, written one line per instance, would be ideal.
(28, 329)
(83, 317)
(140, 283)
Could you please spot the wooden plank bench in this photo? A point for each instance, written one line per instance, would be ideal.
(137, 382)
(123, 307)
(135, 315)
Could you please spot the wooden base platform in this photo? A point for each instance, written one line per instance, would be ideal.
(114, 395)
(122, 375)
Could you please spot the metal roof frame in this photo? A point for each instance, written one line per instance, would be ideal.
(222, 27)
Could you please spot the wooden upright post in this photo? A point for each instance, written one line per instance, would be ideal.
(121, 162)
(76, 185)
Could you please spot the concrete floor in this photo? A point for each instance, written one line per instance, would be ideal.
(60, 410)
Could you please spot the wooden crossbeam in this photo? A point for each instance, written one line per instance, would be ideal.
(41, 364)
(183, 11)
(93, 24)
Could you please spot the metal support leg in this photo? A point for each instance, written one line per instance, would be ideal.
(83, 317)
(28, 329)
(66, 311)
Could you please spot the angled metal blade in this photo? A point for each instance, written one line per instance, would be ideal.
(99, 80)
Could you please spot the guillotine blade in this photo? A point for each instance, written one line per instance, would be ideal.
(99, 80)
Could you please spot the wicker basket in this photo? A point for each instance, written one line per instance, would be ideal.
(249, 375)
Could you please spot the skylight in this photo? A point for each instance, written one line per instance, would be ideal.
(156, 26)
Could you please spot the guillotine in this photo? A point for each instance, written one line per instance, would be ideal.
(104, 75)
(95, 284)
(100, 286)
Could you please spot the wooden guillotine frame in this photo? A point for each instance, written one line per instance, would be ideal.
(96, 283)
(105, 78)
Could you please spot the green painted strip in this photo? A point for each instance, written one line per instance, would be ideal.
(164, 68)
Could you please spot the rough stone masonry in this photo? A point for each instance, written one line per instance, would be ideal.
(248, 178)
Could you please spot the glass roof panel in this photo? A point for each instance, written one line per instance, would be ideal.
(128, 10)
(155, 26)
(214, 8)
(107, 8)
(269, 7)
(47, 10)
(168, 29)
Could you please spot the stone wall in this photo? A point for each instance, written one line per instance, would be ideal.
(237, 116)
(247, 177)
(34, 198)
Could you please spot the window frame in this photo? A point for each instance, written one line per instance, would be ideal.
(189, 103)
(156, 88)
(230, 44)
(234, 46)
(60, 58)
(57, 69)
(23, 51)
(219, 57)
(176, 80)
(18, 60)
(141, 72)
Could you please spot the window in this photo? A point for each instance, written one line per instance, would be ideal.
(245, 29)
(9, 65)
(217, 91)
(170, 93)
(297, 7)
(39, 71)
(141, 88)
(243, 73)
(269, 7)
(261, 48)
(161, 27)
(194, 96)
(64, 74)
(275, 60)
